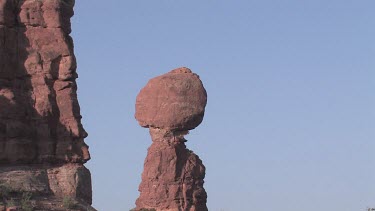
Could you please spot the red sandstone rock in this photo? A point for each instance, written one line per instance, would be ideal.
(69, 180)
(40, 118)
(172, 179)
(174, 101)
(41, 134)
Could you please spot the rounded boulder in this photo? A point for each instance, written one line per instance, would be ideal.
(173, 101)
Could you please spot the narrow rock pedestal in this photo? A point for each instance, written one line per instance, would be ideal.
(173, 176)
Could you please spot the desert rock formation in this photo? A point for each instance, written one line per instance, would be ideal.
(42, 148)
(170, 105)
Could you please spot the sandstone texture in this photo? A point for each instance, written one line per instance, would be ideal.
(40, 117)
(173, 176)
(43, 182)
(41, 135)
(173, 101)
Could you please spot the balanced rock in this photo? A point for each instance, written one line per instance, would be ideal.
(41, 135)
(174, 101)
(173, 176)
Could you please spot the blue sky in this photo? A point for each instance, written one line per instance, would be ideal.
(290, 118)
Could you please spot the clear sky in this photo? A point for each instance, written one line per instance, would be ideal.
(290, 120)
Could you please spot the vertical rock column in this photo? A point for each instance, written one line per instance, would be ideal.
(42, 148)
(170, 105)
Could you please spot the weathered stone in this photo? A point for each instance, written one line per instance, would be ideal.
(174, 101)
(173, 176)
(42, 148)
(72, 180)
(38, 97)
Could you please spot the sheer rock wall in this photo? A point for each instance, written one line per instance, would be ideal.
(40, 119)
(41, 135)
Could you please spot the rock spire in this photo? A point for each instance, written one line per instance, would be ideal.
(42, 148)
(170, 105)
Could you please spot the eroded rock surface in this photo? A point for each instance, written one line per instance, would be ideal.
(72, 180)
(40, 117)
(40, 121)
(173, 176)
(173, 101)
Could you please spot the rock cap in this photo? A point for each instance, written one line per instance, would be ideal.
(173, 101)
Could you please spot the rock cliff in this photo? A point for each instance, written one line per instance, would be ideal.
(42, 148)
(170, 105)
